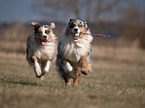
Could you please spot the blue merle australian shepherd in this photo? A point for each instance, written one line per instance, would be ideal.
(74, 50)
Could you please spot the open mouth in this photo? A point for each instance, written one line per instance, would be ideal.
(45, 42)
(76, 36)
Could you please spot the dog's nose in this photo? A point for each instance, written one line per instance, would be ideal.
(45, 37)
(76, 30)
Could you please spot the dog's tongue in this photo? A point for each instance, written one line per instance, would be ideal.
(75, 37)
(44, 43)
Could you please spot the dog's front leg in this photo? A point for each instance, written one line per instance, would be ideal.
(68, 67)
(76, 81)
(69, 72)
(37, 67)
(47, 66)
(84, 65)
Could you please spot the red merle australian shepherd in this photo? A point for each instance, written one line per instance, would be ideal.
(41, 48)
(74, 50)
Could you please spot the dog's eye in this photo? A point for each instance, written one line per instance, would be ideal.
(80, 25)
(47, 31)
(73, 24)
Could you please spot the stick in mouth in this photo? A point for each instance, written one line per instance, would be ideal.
(99, 35)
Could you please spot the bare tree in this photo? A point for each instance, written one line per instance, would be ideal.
(86, 9)
(65, 7)
(105, 6)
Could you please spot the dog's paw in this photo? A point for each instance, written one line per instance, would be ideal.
(38, 72)
(69, 70)
(42, 77)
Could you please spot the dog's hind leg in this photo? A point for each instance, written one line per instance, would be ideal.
(47, 66)
(68, 80)
(69, 70)
(37, 67)
(88, 60)
(84, 64)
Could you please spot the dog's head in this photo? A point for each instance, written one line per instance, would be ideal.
(76, 28)
(44, 33)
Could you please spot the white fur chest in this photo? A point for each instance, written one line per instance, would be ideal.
(44, 52)
(72, 50)
(41, 52)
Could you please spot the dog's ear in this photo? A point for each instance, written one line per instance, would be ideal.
(35, 24)
(70, 20)
(51, 25)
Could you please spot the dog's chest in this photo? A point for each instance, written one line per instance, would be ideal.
(44, 52)
(74, 51)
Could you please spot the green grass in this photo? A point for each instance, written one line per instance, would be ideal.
(117, 81)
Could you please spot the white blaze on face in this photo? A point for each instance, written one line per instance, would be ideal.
(76, 31)
(45, 37)
(43, 29)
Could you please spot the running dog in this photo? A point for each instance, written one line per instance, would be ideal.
(74, 51)
(41, 48)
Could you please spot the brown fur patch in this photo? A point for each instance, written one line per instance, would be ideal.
(83, 61)
(47, 31)
(50, 37)
(76, 81)
(74, 23)
(37, 38)
(68, 78)
(79, 24)
(35, 59)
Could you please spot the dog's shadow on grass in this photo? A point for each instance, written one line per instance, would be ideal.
(27, 83)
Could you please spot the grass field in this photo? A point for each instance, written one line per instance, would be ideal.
(117, 81)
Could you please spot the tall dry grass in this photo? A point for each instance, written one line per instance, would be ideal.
(117, 80)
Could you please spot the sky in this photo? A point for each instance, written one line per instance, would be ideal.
(22, 10)
(17, 10)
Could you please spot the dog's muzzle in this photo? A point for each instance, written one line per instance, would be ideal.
(45, 40)
(76, 33)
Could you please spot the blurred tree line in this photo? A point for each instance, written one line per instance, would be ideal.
(131, 24)
(129, 27)
(89, 10)
(134, 21)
